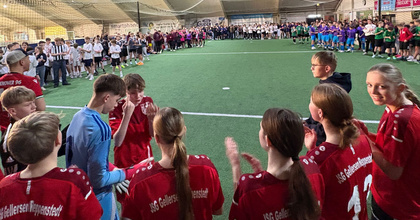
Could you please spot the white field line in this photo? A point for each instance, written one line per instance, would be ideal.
(235, 53)
(206, 114)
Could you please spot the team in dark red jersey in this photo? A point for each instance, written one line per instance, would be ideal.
(43, 190)
(179, 186)
(396, 152)
(284, 191)
(345, 158)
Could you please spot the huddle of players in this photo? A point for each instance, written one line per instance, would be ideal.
(339, 37)
(332, 181)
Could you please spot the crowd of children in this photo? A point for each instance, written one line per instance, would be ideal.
(381, 37)
(332, 181)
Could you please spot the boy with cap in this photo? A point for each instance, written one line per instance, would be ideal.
(18, 62)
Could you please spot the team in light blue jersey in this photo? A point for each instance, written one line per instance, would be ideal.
(89, 139)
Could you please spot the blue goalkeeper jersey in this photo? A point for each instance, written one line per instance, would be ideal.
(87, 146)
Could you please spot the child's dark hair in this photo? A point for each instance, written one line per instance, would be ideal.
(337, 107)
(394, 75)
(169, 126)
(32, 138)
(109, 83)
(285, 131)
(134, 81)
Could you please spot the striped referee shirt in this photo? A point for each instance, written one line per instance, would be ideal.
(59, 49)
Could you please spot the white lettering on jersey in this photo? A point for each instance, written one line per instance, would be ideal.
(31, 207)
(351, 169)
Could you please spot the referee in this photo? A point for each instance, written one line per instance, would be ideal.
(58, 52)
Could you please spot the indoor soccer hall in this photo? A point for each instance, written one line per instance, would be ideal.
(221, 63)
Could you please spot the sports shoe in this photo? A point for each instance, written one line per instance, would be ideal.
(88, 75)
(60, 80)
(364, 53)
(122, 66)
(313, 48)
(341, 51)
(393, 57)
(380, 56)
(140, 63)
(103, 70)
(121, 75)
(147, 58)
(389, 58)
(373, 56)
(42, 88)
(91, 77)
(131, 63)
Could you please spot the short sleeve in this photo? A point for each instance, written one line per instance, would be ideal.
(32, 83)
(236, 210)
(218, 193)
(399, 146)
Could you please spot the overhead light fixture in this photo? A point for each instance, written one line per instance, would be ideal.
(4, 6)
(317, 4)
(314, 16)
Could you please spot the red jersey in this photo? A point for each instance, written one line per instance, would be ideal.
(347, 176)
(263, 196)
(405, 35)
(399, 140)
(152, 193)
(59, 194)
(16, 79)
(136, 145)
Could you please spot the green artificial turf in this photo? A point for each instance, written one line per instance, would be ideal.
(191, 80)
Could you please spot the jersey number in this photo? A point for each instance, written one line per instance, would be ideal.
(355, 198)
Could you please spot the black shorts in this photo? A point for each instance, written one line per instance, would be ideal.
(98, 59)
(411, 42)
(124, 52)
(390, 44)
(139, 50)
(379, 42)
(88, 62)
(403, 45)
(306, 35)
(300, 35)
(132, 50)
(67, 62)
(378, 213)
(115, 61)
(417, 43)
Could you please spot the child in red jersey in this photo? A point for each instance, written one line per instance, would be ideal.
(132, 123)
(395, 191)
(345, 158)
(179, 186)
(18, 102)
(42, 190)
(283, 191)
